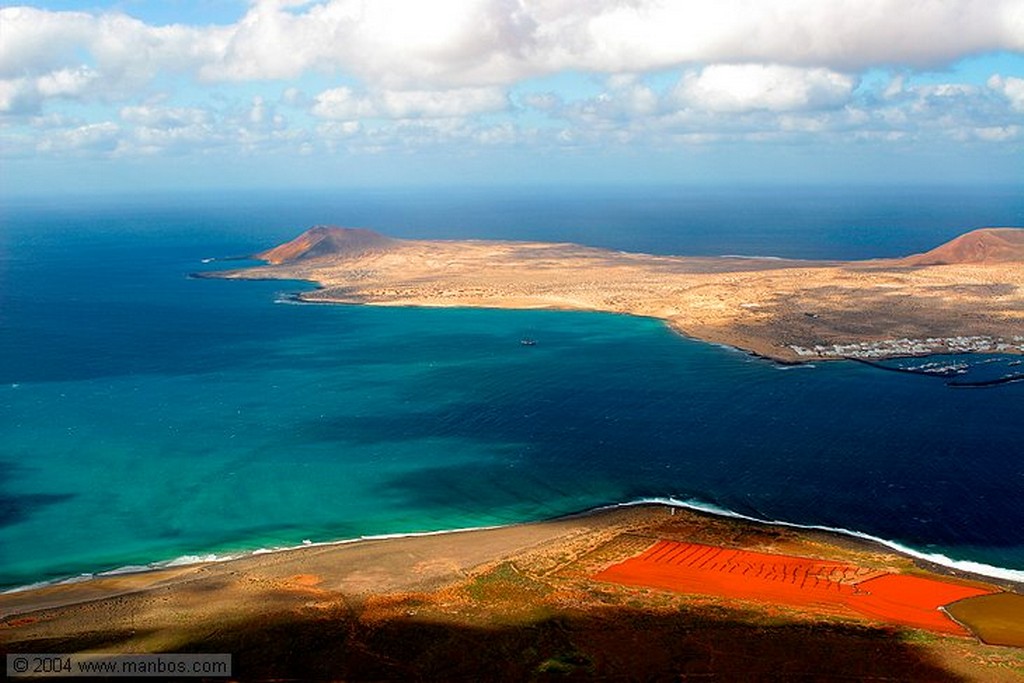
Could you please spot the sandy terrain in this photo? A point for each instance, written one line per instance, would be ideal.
(967, 295)
(517, 603)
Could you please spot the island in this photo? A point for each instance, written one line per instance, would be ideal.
(964, 296)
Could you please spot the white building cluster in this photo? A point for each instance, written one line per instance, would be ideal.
(891, 348)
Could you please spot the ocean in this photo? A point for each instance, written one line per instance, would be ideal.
(147, 417)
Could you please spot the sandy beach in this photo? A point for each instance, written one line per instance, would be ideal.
(529, 601)
(964, 296)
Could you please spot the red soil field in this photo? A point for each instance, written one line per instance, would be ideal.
(797, 581)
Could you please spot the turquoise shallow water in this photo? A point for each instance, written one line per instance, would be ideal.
(147, 416)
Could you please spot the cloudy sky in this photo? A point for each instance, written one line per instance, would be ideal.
(126, 94)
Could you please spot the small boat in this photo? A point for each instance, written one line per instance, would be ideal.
(526, 341)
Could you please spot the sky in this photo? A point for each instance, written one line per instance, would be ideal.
(126, 95)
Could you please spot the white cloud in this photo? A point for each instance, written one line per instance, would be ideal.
(393, 42)
(442, 103)
(36, 41)
(418, 74)
(294, 97)
(66, 82)
(637, 97)
(1011, 87)
(946, 90)
(544, 101)
(503, 134)
(164, 117)
(747, 87)
(997, 133)
(179, 139)
(894, 87)
(93, 137)
(154, 128)
(478, 42)
(47, 55)
(774, 104)
(346, 104)
(258, 112)
(26, 95)
(408, 44)
(17, 96)
(339, 129)
(343, 103)
(837, 34)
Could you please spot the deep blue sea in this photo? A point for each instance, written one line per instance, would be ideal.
(147, 417)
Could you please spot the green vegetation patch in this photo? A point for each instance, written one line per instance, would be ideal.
(506, 584)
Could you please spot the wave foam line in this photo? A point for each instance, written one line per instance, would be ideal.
(980, 568)
(935, 558)
(208, 558)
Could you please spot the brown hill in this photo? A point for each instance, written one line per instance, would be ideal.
(324, 240)
(987, 245)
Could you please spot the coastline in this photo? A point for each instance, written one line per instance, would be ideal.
(443, 591)
(793, 357)
(794, 354)
(1005, 577)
